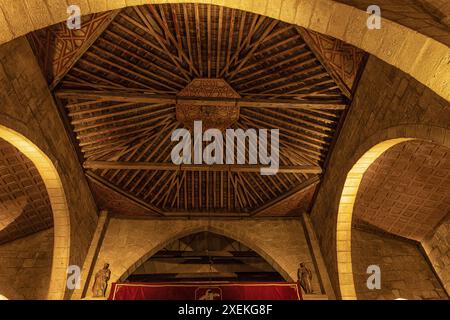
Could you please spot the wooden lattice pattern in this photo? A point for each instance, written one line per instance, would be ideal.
(58, 46)
(341, 57)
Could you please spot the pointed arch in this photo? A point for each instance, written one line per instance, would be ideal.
(213, 229)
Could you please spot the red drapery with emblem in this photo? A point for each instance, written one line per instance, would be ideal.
(210, 291)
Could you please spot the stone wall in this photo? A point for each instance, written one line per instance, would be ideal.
(388, 104)
(430, 17)
(25, 266)
(130, 242)
(405, 272)
(27, 107)
(437, 248)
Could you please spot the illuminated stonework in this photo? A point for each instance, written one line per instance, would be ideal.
(218, 115)
(345, 215)
(57, 196)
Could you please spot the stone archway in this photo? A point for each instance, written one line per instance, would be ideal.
(393, 43)
(365, 156)
(130, 242)
(229, 233)
(58, 202)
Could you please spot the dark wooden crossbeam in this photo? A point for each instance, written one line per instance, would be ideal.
(201, 101)
(123, 165)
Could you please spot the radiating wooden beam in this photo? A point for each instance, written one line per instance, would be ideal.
(289, 195)
(123, 165)
(105, 183)
(201, 101)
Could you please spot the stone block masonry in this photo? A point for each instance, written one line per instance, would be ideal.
(388, 104)
(130, 242)
(25, 266)
(405, 272)
(437, 247)
(27, 107)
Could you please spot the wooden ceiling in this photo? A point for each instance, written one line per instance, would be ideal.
(24, 204)
(122, 77)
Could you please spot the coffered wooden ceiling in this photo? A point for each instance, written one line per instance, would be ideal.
(128, 78)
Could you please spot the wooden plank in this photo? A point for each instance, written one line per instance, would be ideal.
(230, 41)
(247, 57)
(188, 34)
(163, 24)
(103, 182)
(125, 96)
(209, 36)
(157, 60)
(146, 19)
(300, 188)
(280, 58)
(198, 33)
(219, 41)
(124, 165)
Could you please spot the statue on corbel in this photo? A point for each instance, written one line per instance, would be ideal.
(304, 275)
(101, 281)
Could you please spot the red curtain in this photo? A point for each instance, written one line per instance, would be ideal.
(210, 291)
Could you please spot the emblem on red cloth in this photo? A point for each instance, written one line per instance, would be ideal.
(205, 293)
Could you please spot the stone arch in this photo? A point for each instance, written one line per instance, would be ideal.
(213, 229)
(393, 43)
(55, 190)
(366, 154)
(127, 243)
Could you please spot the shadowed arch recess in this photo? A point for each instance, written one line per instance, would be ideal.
(368, 153)
(211, 229)
(205, 257)
(59, 207)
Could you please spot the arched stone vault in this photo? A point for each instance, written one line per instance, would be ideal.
(58, 202)
(29, 116)
(366, 154)
(423, 58)
(388, 104)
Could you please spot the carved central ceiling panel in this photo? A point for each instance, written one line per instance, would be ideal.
(145, 71)
(214, 114)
